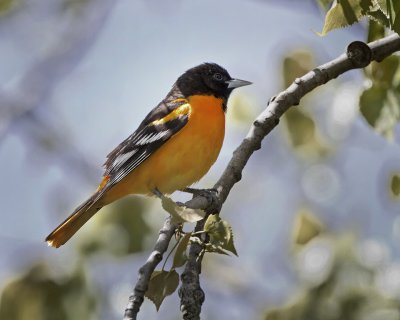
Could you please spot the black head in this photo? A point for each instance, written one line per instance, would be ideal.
(208, 79)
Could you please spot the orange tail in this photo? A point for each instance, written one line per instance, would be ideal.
(73, 223)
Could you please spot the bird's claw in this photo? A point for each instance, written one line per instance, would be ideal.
(209, 194)
(200, 192)
(157, 193)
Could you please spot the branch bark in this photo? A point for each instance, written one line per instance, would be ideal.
(191, 294)
(358, 55)
(161, 246)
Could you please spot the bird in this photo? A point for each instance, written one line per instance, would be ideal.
(173, 147)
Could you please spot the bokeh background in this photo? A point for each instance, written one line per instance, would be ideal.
(315, 217)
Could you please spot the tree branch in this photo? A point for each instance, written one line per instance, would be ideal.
(161, 246)
(358, 55)
(190, 292)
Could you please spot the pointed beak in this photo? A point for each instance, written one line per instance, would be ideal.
(236, 83)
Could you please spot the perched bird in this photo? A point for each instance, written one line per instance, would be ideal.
(173, 147)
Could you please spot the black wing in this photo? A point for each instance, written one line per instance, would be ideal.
(159, 126)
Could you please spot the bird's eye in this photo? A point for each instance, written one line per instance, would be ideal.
(218, 76)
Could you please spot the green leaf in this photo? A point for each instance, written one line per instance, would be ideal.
(303, 135)
(162, 284)
(215, 249)
(387, 14)
(392, 9)
(75, 4)
(381, 108)
(385, 71)
(380, 18)
(396, 23)
(389, 7)
(382, 4)
(390, 115)
(220, 233)
(344, 13)
(181, 214)
(241, 109)
(213, 224)
(371, 103)
(379, 13)
(380, 104)
(180, 256)
(296, 64)
(230, 246)
(324, 4)
(306, 227)
(375, 31)
(299, 126)
(395, 185)
(7, 5)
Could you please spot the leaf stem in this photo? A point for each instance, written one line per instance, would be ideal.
(170, 252)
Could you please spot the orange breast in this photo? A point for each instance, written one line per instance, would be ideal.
(182, 160)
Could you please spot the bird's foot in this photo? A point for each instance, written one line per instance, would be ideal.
(157, 193)
(209, 194)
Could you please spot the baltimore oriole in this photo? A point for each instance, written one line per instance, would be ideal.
(173, 147)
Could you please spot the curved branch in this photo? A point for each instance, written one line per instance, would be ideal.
(358, 55)
(269, 118)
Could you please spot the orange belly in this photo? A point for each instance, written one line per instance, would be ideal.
(182, 160)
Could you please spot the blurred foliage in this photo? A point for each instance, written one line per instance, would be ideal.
(296, 64)
(324, 4)
(375, 31)
(76, 5)
(40, 295)
(120, 230)
(380, 101)
(241, 109)
(344, 13)
(306, 227)
(341, 279)
(395, 185)
(7, 5)
(300, 125)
